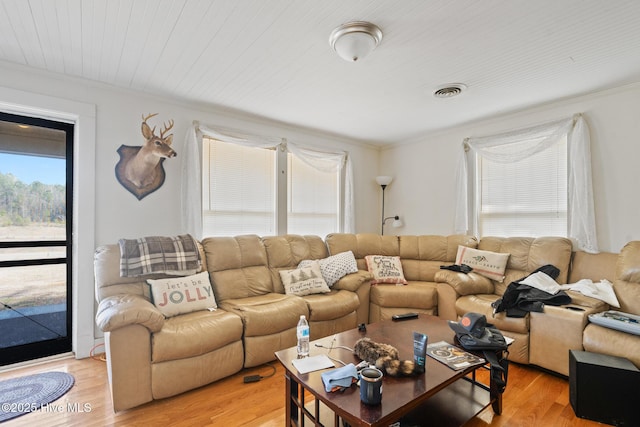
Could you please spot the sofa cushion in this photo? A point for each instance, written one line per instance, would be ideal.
(585, 265)
(237, 266)
(334, 305)
(422, 256)
(486, 263)
(529, 254)
(182, 294)
(627, 280)
(385, 269)
(584, 301)
(465, 284)
(267, 314)
(288, 251)
(423, 295)
(335, 267)
(362, 245)
(304, 281)
(598, 339)
(193, 334)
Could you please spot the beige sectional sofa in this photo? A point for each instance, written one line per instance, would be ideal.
(153, 357)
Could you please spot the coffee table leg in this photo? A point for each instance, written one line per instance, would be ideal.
(291, 408)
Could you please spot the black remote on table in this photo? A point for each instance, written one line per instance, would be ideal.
(405, 316)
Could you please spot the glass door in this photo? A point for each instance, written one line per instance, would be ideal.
(36, 164)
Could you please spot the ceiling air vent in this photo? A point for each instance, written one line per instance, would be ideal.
(449, 90)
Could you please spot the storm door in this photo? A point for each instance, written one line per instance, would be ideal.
(36, 164)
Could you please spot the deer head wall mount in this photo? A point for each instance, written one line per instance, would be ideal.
(140, 169)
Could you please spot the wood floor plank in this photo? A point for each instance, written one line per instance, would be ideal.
(532, 398)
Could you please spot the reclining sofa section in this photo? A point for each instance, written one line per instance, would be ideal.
(245, 277)
(153, 357)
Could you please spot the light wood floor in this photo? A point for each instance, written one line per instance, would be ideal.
(532, 398)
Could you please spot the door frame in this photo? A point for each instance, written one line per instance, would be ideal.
(83, 116)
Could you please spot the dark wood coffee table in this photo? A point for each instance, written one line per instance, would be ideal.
(441, 396)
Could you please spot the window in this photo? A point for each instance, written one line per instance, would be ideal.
(550, 166)
(527, 197)
(238, 189)
(239, 192)
(312, 200)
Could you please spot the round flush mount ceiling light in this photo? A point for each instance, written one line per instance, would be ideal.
(450, 90)
(355, 40)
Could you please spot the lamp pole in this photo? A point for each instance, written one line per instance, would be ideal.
(382, 222)
(383, 181)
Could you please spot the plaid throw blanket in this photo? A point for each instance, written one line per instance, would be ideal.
(177, 255)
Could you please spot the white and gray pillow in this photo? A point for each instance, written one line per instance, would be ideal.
(335, 267)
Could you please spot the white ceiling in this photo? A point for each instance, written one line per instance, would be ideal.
(272, 57)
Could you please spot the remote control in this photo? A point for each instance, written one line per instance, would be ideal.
(405, 316)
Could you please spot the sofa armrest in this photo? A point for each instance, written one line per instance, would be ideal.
(122, 310)
(465, 284)
(351, 282)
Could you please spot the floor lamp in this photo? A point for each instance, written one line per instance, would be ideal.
(383, 181)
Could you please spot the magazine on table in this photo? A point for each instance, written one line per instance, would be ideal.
(452, 356)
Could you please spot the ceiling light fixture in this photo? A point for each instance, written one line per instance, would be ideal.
(449, 90)
(355, 40)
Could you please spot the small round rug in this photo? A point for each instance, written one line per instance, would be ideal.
(19, 396)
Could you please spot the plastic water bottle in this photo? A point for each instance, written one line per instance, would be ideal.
(303, 337)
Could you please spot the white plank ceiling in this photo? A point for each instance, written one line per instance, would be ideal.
(272, 57)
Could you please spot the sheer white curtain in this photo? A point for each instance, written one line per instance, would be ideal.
(581, 210)
(191, 190)
(332, 162)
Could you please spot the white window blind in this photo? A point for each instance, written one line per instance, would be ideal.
(526, 197)
(313, 199)
(238, 186)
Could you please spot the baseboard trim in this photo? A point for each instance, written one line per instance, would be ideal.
(68, 355)
(35, 362)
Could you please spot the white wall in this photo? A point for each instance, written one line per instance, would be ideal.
(118, 118)
(424, 168)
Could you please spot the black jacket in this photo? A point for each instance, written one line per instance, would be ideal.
(519, 299)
